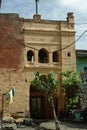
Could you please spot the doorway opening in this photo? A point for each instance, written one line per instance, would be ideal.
(37, 103)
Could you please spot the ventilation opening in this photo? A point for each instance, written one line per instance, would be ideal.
(68, 54)
(55, 56)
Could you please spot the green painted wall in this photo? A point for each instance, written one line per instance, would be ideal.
(81, 62)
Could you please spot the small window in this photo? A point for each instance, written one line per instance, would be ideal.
(55, 56)
(30, 56)
(68, 54)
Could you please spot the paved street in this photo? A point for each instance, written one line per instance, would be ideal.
(50, 125)
(73, 126)
(63, 126)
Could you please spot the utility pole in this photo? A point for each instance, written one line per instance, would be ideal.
(36, 1)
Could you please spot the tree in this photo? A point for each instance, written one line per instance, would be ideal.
(48, 84)
(71, 81)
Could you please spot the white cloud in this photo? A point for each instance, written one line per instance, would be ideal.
(80, 5)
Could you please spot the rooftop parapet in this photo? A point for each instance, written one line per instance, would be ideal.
(70, 17)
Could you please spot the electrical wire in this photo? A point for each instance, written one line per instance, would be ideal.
(17, 39)
(79, 35)
(21, 43)
(80, 23)
(74, 41)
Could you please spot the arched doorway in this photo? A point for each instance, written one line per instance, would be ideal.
(40, 108)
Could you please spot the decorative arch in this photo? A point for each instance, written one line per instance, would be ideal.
(43, 56)
(55, 56)
(30, 56)
(39, 105)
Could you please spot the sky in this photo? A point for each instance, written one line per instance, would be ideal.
(53, 10)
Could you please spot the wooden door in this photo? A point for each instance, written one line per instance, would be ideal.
(37, 107)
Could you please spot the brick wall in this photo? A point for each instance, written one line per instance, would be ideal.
(11, 38)
(11, 59)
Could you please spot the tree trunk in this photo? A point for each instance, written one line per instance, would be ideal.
(54, 114)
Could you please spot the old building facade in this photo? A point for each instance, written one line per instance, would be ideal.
(31, 45)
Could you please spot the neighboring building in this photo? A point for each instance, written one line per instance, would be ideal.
(31, 45)
(81, 62)
(81, 66)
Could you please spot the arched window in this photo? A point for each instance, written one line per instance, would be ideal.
(55, 56)
(30, 56)
(43, 56)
